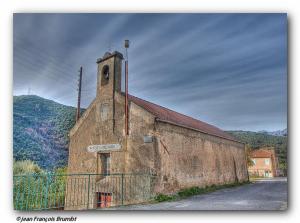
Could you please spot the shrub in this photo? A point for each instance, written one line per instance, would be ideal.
(190, 191)
(163, 197)
(26, 167)
(37, 189)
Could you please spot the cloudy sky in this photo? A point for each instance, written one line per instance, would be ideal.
(229, 70)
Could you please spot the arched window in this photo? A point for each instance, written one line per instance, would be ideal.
(105, 75)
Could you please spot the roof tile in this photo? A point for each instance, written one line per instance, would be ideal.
(165, 114)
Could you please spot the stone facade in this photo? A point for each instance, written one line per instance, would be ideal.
(179, 156)
(197, 159)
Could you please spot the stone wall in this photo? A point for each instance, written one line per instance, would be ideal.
(190, 158)
(140, 156)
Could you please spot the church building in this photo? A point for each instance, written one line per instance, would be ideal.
(177, 150)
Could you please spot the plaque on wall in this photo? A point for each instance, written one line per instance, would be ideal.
(103, 148)
(148, 139)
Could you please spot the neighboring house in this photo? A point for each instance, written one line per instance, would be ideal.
(180, 151)
(265, 163)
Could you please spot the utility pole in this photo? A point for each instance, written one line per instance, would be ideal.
(126, 89)
(79, 95)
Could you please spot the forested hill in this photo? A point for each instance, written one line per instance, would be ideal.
(262, 139)
(40, 130)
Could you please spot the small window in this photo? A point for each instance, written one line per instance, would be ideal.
(104, 110)
(267, 162)
(105, 158)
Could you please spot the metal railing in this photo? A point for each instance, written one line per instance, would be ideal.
(80, 191)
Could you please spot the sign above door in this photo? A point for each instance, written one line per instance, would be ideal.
(103, 148)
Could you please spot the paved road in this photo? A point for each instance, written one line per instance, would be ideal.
(261, 195)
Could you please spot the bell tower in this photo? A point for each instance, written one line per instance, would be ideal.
(109, 74)
(108, 83)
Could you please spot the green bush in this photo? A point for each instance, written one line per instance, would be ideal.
(37, 189)
(190, 191)
(163, 197)
(26, 167)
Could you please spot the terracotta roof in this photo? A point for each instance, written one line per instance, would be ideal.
(261, 153)
(167, 115)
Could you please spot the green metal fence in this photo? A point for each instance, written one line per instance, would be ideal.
(80, 191)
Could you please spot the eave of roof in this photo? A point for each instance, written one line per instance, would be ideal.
(172, 117)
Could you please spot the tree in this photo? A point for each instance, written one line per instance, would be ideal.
(248, 155)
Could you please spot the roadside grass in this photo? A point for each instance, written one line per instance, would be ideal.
(195, 191)
(252, 179)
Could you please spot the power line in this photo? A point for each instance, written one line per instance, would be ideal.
(50, 73)
(69, 95)
(17, 37)
(34, 66)
(56, 71)
(42, 57)
(55, 68)
(42, 53)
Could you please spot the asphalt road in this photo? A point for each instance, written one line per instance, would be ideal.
(260, 195)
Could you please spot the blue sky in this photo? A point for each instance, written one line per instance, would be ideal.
(229, 70)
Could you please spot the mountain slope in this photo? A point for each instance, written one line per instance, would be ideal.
(40, 130)
(276, 133)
